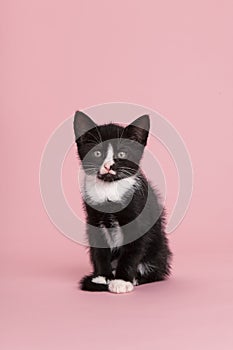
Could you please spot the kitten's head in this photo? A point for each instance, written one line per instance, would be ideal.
(110, 152)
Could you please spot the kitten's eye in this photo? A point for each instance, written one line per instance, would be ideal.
(121, 155)
(97, 154)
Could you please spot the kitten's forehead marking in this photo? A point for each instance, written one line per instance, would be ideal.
(108, 161)
(110, 154)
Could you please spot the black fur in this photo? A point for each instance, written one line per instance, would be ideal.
(148, 244)
(87, 284)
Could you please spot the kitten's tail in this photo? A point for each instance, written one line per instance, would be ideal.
(87, 284)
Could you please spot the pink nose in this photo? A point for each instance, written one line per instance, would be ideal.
(107, 166)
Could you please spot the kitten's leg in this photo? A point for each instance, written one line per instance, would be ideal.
(100, 254)
(98, 281)
(101, 261)
(126, 272)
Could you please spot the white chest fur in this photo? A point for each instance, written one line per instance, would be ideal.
(98, 191)
(114, 236)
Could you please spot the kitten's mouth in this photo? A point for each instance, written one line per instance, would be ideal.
(106, 177)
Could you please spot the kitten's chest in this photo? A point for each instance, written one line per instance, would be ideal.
(97, 191)
(112, 233)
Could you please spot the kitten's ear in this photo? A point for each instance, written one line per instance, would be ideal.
(138, 130)
(82, 123)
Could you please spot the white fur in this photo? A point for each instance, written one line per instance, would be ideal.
(145, 268)
(120, 286)
(114, 264)
(114, 236)
(97, 191)
(108, 162)
(99, 279)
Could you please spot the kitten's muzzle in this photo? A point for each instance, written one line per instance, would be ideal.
(109, 177)
(106, 168)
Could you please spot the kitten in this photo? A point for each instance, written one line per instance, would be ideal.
(125, 221)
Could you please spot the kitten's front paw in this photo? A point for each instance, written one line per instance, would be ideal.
(120, 286)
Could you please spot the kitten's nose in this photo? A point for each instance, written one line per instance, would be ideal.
(108, 166)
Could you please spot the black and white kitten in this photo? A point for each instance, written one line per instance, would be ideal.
(125, 221)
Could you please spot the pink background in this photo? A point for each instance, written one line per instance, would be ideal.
(172, 56)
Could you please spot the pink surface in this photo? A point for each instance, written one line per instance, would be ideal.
(175, 57)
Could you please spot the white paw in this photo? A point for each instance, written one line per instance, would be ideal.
(99, 279)
(120, 286)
